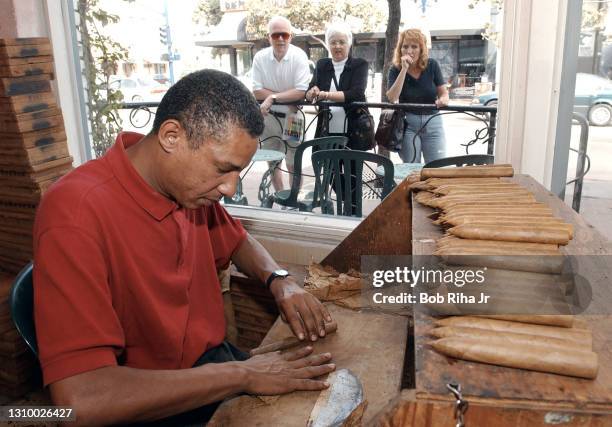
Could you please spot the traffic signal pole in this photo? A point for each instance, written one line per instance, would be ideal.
(168, 35)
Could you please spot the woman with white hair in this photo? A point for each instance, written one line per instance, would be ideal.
(341, 78)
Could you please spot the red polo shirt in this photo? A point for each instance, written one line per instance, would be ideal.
(123, 275)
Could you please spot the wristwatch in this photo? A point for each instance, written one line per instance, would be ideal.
(274, 102)
(276, 274)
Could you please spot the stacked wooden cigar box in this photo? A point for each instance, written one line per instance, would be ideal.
(33, 155)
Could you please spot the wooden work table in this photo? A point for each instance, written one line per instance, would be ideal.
(520, 393)
(375, 345)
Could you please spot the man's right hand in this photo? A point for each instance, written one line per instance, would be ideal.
(313, 94)
(278, 373)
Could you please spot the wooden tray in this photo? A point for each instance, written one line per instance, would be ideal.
(31, 69)
(27, 103)
(26, 50)
(11, 86)
(517, 394)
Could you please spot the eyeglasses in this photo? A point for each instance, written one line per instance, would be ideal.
(338, 43)
(277, 36)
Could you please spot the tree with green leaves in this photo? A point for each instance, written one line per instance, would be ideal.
(208, 13)
(312, 16)
(101, 56)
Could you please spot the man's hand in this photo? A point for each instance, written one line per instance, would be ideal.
(313, 94)
(266, 104)
(278, 373)
(304, 313)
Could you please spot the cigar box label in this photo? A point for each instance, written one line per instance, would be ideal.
(19, 41)
(23, 51)
(26, 69)
(35, 107)
(16, 62)
(20, 88)
(44, 141)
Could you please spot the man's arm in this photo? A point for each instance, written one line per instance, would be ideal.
(117, 394)
(304, 313)
(286, 96)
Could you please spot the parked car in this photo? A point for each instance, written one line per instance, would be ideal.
(138, 89)
(592, 98)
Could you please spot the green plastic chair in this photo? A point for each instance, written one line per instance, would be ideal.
(289, 197)
(467, 160)
(21, 302)
(333, 171)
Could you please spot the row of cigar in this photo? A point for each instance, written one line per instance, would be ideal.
(519, 341)
(494, 221)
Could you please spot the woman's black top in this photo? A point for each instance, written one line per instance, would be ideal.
(423, 90)
(353, 81)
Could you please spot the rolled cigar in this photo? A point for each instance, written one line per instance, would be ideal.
(468, 172)
(510, 214)
(446, 202)
(424, 196)
(472, 209)
(492, 195)
(551, 264)
(499, 211)
(455, 241)
(420, 186)
(436, 182)
(290, 342)
(461, 249)
(509, 221)
(536, 234)
(580, 336)
(476, 184)
(564, 321)
(475, 333)
(478, 189)
(531, 356)
(489, 203)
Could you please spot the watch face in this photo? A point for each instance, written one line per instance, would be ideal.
(281, 273)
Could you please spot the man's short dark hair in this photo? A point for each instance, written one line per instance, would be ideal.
(207, 103)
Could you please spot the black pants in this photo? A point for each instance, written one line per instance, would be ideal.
(225, 352)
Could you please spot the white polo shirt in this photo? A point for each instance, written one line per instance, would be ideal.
(291, 72)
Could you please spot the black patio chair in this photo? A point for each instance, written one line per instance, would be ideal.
(342, 172)
(21, 303)
(289, 197)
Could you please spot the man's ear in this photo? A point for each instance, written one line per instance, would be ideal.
(169, 134)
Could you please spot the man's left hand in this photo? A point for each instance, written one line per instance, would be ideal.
(304, 313)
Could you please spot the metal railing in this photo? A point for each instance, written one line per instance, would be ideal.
(142, 114)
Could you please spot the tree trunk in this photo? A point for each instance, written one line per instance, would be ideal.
(391, 35)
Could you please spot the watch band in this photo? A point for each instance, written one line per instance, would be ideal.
(276, 274)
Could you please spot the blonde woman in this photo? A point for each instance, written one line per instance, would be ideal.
(417, 79)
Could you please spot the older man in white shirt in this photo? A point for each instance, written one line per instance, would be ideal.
(280, 74)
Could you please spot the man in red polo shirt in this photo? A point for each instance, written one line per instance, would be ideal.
(128, 306)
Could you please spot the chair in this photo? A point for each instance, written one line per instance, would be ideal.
(21, 303)
(467, 160)
(289, 197)
(342, 170)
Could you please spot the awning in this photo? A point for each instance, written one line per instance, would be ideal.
(230, 32)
